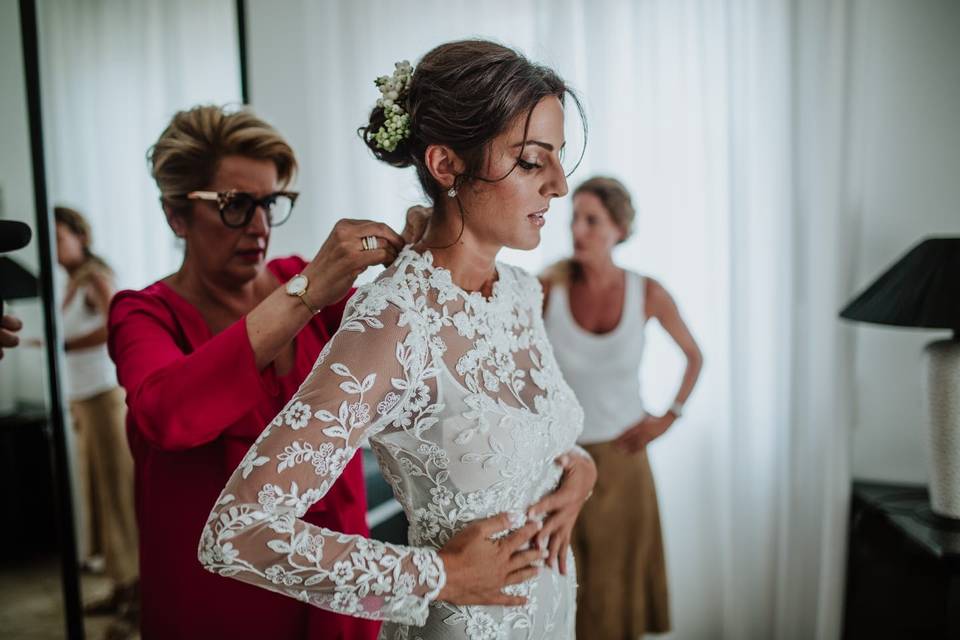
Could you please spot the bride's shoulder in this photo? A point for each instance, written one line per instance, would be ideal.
(526, 284)
(395, 285)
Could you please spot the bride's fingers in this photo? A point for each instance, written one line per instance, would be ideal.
(557, 550)
(522, 575)
(506, 601)
(523, 559)
(550, 526)
(562, 554)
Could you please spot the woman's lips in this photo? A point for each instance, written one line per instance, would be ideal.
(537, 218)
(250, 255)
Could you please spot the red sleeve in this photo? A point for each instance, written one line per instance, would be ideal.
(178, 400)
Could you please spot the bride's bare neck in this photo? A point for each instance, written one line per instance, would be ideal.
(471, 262)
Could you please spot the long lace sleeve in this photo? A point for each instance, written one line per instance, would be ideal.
(364, 381)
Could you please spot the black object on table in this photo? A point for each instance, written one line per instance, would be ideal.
(903, 572)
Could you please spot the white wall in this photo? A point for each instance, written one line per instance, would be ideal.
(906, 115)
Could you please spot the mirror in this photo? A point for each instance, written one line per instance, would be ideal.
(38, 594)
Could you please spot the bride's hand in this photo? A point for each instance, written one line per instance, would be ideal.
(478, 567)
(562, 507)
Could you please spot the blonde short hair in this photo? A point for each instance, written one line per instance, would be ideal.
(188, 153)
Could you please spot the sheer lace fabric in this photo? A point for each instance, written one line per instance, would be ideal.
(461, 399)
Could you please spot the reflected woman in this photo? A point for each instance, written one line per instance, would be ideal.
(97, 410)
(598, 311)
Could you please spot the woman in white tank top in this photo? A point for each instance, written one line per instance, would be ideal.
(595, 314)
(98, 413)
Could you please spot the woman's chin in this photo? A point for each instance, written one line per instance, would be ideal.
(526, 241)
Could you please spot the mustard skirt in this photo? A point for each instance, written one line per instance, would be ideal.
(622, 591)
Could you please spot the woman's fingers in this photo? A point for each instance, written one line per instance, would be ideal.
(508, 601)
(489, 527)
(416, 224)
(550, 526)
(522, 536)
(383, 232)
(562, 554)
(522, 575)
(522, 559)
(11, 323)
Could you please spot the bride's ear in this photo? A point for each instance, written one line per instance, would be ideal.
(444, 165)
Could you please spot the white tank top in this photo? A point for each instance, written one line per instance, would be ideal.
(602, 369)
(89, 371)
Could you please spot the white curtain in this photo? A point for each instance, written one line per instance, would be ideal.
(112, 74)
(728, 122)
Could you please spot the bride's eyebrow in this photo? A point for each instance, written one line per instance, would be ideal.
(545, 145)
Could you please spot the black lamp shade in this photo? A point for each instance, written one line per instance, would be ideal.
(922, 289)
(16, 283)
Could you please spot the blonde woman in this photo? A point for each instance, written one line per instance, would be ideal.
(98, 412)
(595, 313)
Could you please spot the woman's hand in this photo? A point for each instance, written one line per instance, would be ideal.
(478, 567)
(9, 326)
(562, 507)
(417, 220)
(342, 257)
(637, 437)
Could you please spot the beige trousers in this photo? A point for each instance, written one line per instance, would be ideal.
(105, 471)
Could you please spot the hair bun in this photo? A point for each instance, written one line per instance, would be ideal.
(401, 155)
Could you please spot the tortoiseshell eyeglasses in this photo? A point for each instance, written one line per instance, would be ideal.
(237, 207)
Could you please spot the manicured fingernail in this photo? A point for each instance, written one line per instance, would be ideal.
(544, 553)
(539, 524)
(564, 459)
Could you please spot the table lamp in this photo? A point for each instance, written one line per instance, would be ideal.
(922, 290)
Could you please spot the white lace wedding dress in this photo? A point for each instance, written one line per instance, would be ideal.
(462, 400)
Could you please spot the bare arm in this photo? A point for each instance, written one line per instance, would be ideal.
(661, 306)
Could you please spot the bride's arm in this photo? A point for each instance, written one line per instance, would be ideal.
(361, 383)
(371, 375)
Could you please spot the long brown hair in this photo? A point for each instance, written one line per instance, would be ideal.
(77, 224)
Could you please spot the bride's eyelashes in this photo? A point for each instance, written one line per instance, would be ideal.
(528, 166)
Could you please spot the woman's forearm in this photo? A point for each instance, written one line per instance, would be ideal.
(690, 376)
(93, 339)
(273, 323)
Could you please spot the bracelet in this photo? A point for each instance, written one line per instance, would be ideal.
(303, 299)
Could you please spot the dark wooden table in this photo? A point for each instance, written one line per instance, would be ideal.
(903, 574)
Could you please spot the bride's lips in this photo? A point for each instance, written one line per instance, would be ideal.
(537, 217)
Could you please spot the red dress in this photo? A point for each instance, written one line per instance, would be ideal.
(196, 404)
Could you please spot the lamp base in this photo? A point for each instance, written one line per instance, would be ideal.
(943, 395)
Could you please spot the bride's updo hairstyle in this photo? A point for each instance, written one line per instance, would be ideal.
(463, 95)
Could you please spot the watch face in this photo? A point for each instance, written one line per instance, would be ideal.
(297, 285)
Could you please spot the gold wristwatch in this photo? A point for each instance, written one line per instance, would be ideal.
(297, 286)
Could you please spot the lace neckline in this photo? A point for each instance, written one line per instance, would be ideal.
(442, 279)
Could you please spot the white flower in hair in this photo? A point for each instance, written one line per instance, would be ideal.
(393, 90)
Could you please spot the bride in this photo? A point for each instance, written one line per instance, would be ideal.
(443, 366)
